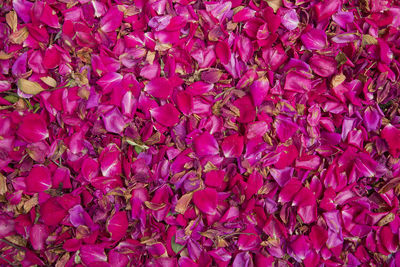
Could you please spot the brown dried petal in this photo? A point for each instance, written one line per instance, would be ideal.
(183, 203)
(12, 20)
(29, 87)
(3, 184)
(19, 36)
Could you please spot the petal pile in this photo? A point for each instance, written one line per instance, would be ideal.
(199, 133)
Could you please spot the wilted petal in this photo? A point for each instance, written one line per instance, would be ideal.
(372, 118)
(297, 82)
(52, 213)
(325, 9)
(76, 216)
(215, 178)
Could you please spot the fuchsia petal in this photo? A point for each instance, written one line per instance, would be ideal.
(112, 20)
(391, 135)
(314, 39)
(39, 179)
(246, 109)
(223, 52)
(199, 88)
(232, 146)
(38, 235)
(118, 225)
(110, 163)
(206, 200)
(33, 128)
(93, 255)
(166, 115)
(323, 66)
(206, 145)
(114, 121)
(159, 87)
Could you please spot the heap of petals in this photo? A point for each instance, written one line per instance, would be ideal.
(199, 133)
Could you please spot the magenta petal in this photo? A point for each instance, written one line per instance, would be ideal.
(318, 236)
(322, 65)
(297, 82)
(159, 87)
(52, 213)
(39, 179)
(72, 245)
(308, 162)
(259, 90)
(118, 259)
(372, 118)
(290, 20)
(199, 88)
(392, 136)
(114, 121)
(89, 168)
(112, 20)
(232, 146)
(249, 239)
(110, 161)
(245, 48)
(215, 178)
(289, 191)
(92, 255)
(206, 200)
(285, 128)
(223, 52)
(166, 115)
(76, 216)
(388, 239)
(23, 8)
(325, 9)
(301, 247)
(51, 58)
(246, 109)
(118, 225)
(38, 235)
(244, 15)
(184, 101)
(206, 145)
(314, 39)
(33, 128)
